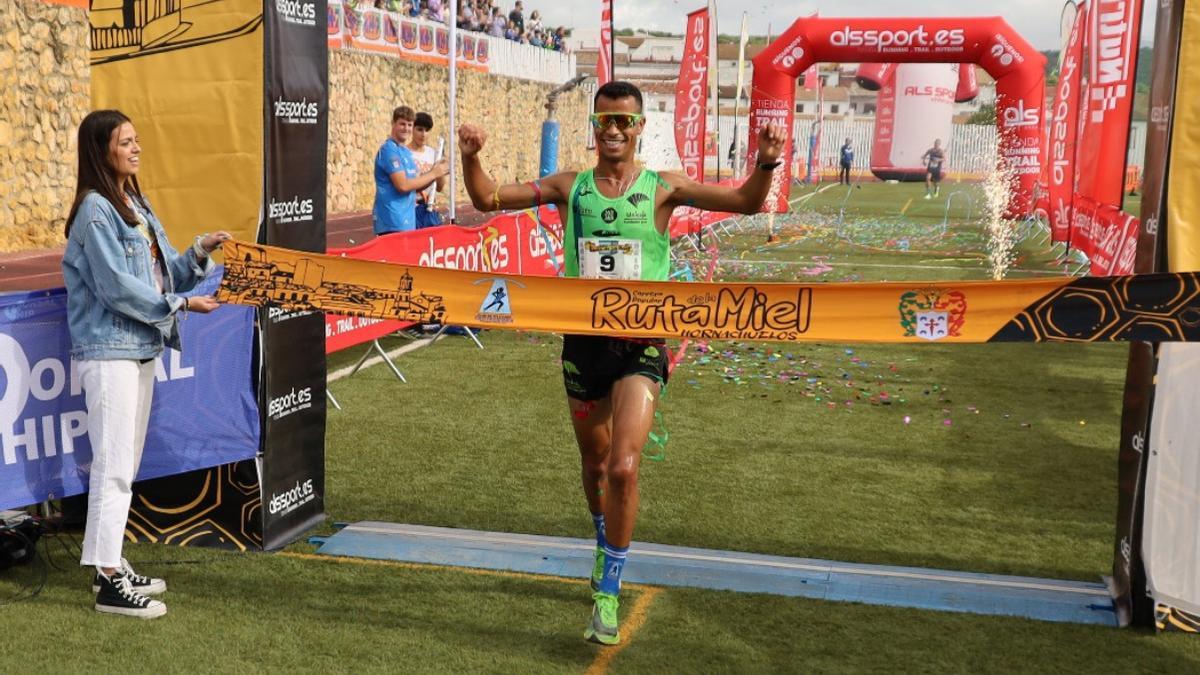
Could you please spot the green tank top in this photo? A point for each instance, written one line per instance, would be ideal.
(615, 238)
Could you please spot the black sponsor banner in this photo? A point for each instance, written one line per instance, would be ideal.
(297, 123)
(1128, 585)
(1151, 249)
(293, 409)
(292, 396)
(1130, 593)
(219, 507)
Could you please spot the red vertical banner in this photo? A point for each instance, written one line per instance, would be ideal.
(690, 104)
(1064, 130)
(885, 124)
(810, 78)
(1113, 29)
(604, 60)
(968, 83)
(812, 82)
(1123, 261)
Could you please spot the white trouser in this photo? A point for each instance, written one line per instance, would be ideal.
(118, 395)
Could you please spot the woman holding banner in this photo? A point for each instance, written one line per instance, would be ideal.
(616, 227)
(122, 278)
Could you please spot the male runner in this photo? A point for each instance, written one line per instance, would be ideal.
(934, 158)
(846, 161)
(616, 217)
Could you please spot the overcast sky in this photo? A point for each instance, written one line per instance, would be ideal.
(1037, 20)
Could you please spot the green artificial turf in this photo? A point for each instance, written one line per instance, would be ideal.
(990, 458)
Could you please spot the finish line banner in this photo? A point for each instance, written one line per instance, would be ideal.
(1152, 308)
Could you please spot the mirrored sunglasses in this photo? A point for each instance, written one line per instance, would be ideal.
(600, 121)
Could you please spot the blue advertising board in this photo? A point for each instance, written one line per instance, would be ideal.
(204, 412)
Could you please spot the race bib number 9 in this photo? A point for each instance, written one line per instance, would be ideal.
(610, 259)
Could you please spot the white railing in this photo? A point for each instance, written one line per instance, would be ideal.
(513, 59)
(398, 36)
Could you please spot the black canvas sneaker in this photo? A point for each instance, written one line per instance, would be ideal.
(141, 584)
(116, 596)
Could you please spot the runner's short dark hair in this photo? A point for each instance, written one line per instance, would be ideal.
(618, 89)
(423, 120)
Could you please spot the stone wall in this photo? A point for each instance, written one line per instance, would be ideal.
(365, 88)
(44, 94)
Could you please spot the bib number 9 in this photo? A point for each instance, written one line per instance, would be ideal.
(610, 258)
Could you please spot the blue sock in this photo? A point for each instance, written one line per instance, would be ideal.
(598, 521)
(614, 563)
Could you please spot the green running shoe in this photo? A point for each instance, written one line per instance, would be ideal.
(597, 569)
(603, 627)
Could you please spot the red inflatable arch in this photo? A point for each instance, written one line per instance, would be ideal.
(1018, 68)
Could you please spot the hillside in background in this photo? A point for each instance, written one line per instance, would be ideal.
(1144, 66)
(1144, 72)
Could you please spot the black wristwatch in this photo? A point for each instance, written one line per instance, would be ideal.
(770, 166)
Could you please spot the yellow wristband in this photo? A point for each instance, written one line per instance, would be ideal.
(496, 199)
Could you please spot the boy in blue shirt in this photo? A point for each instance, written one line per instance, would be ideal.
(397, 178)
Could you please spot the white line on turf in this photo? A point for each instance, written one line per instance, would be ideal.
(810, 195)
(376, 360)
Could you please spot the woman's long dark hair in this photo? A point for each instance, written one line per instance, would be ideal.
(95, 173)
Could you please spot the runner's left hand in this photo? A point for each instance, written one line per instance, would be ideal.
(770, 143)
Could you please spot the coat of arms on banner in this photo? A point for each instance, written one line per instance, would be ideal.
(933, 314)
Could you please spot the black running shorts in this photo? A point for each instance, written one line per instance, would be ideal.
(592, 363)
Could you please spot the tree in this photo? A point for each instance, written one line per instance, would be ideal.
(985, 115)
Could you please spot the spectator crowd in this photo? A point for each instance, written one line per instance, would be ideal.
(481, 16)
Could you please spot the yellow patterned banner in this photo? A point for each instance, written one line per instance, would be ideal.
(1183, 194)
(189, 73)
(1163, 307)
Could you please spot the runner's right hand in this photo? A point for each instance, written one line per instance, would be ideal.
(471, 140)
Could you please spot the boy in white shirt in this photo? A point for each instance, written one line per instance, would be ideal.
(426, 157)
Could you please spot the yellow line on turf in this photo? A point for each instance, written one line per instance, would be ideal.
(906, 205)
(628, 627)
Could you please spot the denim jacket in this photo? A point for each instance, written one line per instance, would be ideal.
(114, 310)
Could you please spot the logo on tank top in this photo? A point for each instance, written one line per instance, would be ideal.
(608, 215)
(638, 198)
